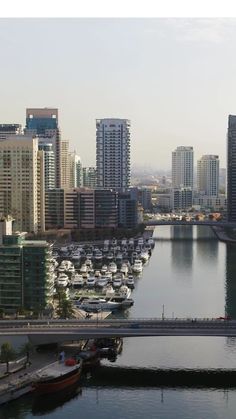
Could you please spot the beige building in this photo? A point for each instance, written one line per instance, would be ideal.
(65, 165)
(22, 183)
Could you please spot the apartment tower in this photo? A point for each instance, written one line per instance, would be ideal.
(231, 169)
(113, 153)
(208, 175)
(182, 167)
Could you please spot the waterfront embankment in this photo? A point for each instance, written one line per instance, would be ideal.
(222, 235)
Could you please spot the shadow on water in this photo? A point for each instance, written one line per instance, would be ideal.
(46, 403)
(230, 298)
(146, 377)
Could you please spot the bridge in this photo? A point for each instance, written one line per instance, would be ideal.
(42, 332)
(207, 223)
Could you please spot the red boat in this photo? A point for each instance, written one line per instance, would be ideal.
(56, 377)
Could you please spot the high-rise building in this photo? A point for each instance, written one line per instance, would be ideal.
(75, 169)
(26, 273)
(231, 169)
(89, 177)
(43, 122)
(9, 129)
(65, 165)
(208, 175)
(49, 164)
(182, 199)
(22, 183)
(182, 167)
(113, 153)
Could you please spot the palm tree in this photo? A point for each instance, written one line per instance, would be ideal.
(7, 354)
(65, 307)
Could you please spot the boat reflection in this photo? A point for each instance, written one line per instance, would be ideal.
(46, 403)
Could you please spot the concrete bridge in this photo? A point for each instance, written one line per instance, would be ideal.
(208, 223)
(42, 332)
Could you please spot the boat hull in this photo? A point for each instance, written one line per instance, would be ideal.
(53, 386)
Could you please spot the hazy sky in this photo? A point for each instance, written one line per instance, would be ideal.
(175, 79)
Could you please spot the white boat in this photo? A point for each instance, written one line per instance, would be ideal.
(71, 270)
(110, 292)
(62, 280)
(112, 267)
(83, 268)
(77, 281)
(124, 292)
(109, 256)
(130, 281)
(124, 268)
(104, 269)
(102, 282)
(117, 282)
(144, 255)
(137, 266)
(119, 257)
(97, 273)
(151, 242)
(88, 262)
(97, 304)
(91, 281)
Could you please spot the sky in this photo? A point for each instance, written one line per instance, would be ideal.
(174, 78)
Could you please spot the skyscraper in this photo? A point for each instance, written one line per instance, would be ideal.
(231, 169)
(49, 165)
(182, 167)
(22, 182)
(75, 169)
(89, 177)
(43, 122)
(113, 153)
(208, 175)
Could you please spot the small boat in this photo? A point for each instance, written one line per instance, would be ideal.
(130, 281)
(112, 267)
(124, 268)
(119, 257)
(117, 282)
(97, 304)
(102, 282)
(62, 280)
(137, 266)
(104, 269)
(144, 255)
(57, 376)
(83, 269)
(91, 281)
(110, 256)
(77, 281)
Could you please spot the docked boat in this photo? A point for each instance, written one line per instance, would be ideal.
(62, 280)
(91, 281)
(104, 269)
(137, 266)
(77, 281)
(97, 304)
(112, 267)
(110, 256)
(83, 269)
(130, 281)
(124, 268)
(102, 282)
(144, 255)
(57, 376)
(117, 282)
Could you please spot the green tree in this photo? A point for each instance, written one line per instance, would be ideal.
(27, 349)
(65, 307)
(7, 354)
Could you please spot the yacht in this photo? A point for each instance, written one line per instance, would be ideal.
(98, 256)
(91, 281)
(112, 267)
(102, 282)
(62, 280)
(119, 257)
(130, 281)
(137, 266)
(77, 281)
(97, 273)
(144, 255)
(124, 268)
(104, 269)
(117, 282)
(83, 269)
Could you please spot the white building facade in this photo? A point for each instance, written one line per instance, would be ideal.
(113, 153)
(182, 167)
(208, 175)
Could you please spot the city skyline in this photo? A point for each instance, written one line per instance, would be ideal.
(163, 62)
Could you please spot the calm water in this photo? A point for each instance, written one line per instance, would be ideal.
(190, 274)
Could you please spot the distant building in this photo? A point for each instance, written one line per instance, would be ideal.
(75, 168)
(43, 122)
(49, 165)
(65, 165)
(182, 167)
(113, 153)
(212, 203)
(143, 196)
(181, 199)
(22, 182)
(26, 274)
(231, 169)
(54, 208)
(89, 177)
(127, 210)
(208, 175)
(10, 129)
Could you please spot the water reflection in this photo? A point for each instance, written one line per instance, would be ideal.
(230, 300)
(207, 245)
(182, 248)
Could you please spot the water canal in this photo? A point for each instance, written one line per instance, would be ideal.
(190, 274)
